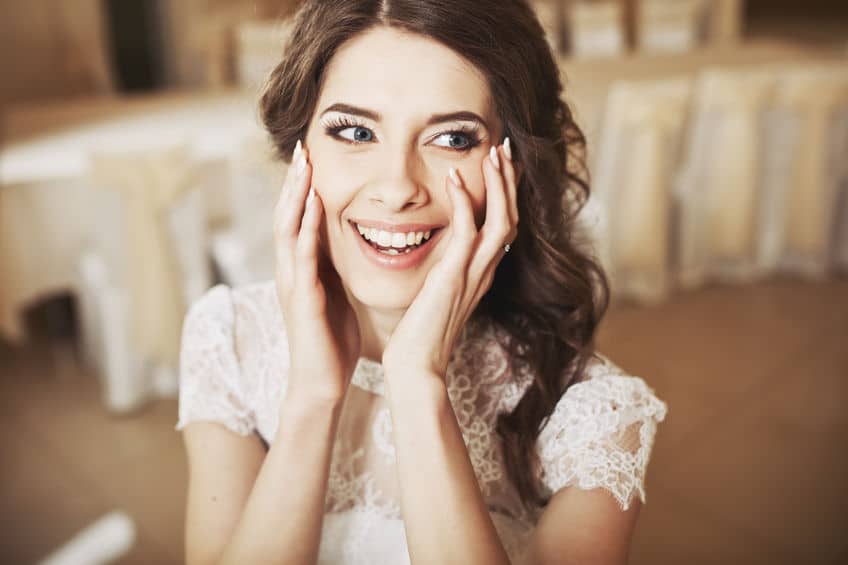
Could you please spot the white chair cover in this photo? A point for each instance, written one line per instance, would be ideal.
(596, 29)
(244, 251)
(806, 170)
(187, 222)
(260, 45)
(148, 267)
(107, 343)
(718, 189)
(636, 158)
(671, 26)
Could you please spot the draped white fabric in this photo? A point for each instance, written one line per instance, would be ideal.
(636, 157)
(731, 176)
(234, 364)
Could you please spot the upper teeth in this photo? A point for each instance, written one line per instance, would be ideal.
(393, 239)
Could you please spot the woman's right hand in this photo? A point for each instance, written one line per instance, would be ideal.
(321, 326)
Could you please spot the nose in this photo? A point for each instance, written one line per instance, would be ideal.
(400, 185)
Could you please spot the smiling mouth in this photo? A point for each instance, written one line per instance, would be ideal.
(394, 243)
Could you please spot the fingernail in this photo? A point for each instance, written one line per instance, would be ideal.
(311, 196)
(454, 177)
(301, 163)
(493, 155)
(297, 149)
(507, 149)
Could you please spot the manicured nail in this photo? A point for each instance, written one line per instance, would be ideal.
(311, 196)
(297, 150)
(454, 177)
(493, 155)
(301, 163)
(507, 149)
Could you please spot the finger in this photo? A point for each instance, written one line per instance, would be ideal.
(497, 227)
(289, 180)
(463, 227)
(290, 208)
(306, 253)
(511, 180)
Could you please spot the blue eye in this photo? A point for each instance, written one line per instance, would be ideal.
(359, 134)
(455, 140)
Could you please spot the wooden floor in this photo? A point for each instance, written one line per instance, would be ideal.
(750, 466)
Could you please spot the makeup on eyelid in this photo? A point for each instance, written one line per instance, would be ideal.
(334, 126)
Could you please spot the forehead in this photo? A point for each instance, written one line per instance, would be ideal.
(395, 72)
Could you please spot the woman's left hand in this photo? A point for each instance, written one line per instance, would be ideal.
(424, 337)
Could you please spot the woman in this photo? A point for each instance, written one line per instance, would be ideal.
(418, 383)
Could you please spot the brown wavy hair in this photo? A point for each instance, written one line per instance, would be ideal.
(549, 293)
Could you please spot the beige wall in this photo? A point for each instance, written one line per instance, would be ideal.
(51, 49)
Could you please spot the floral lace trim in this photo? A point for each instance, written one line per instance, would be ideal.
(368, 375)
(382, 435)
(348, 488)
(591, 438)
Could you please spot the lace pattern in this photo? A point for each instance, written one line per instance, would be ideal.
(600, 435)
(211, 388)
(233, 367)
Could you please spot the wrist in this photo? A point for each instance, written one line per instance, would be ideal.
(301, 400)
(416, 385)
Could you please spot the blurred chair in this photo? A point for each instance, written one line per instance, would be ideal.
(632, 172)
(596, 29)
(259, 47)
(244, 251)
(671, 26)
(147, 260)
(107, 342)
(718, 191)
(806, 149)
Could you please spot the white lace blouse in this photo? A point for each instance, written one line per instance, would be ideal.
(233, 366)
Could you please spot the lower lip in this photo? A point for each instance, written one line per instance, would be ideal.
(397, 262)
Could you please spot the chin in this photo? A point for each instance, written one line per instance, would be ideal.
(384, 295)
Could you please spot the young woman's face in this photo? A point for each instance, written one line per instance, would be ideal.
(395, 112)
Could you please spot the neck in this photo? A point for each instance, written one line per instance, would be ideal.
(376, 326)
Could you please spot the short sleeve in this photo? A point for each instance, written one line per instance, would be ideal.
(600, 435)
(210, 383)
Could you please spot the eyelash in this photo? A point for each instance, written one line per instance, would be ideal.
(336, 125)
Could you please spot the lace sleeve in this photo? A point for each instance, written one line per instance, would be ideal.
(209, 368)
(600, 435)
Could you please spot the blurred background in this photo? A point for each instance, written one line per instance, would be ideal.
(134, 175)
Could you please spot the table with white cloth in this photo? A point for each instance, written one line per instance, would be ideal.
(48, 207)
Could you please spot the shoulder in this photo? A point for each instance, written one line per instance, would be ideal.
(234, 311)
(601, 432)
(230, 341)
(222, 303)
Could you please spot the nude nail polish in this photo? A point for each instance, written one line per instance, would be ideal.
(507, 149)
(493, 155)
(454, 177)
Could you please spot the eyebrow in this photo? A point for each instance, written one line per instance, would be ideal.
(434, 119)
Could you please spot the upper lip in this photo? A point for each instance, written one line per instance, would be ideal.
(396, 228)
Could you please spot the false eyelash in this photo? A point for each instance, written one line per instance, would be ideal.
(334, 125)
(470, 131)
